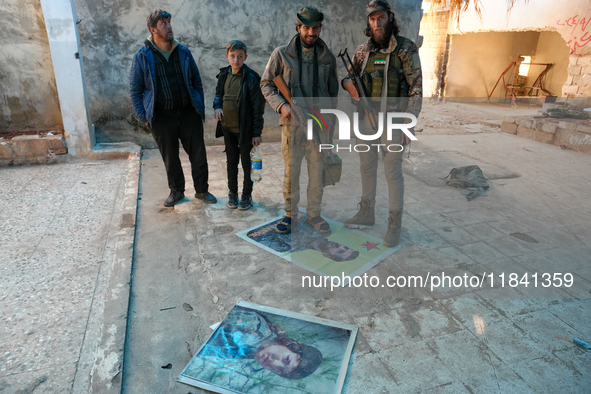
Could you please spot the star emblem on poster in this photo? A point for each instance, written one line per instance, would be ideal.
(370, 246)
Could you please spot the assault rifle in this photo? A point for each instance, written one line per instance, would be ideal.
(353, 74)
(296, 111)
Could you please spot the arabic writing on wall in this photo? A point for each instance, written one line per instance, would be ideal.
(579, 36)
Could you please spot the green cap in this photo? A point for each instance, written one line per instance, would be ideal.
(377, 5)
(310, 16)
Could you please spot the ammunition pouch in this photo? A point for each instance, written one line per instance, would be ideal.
(332, 169)
(377, 81)
(367, 83)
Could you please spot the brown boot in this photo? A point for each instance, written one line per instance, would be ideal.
(364, 218)
(394, 227)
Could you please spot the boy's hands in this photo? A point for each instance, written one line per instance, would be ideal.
(218, 114)
(256, 141)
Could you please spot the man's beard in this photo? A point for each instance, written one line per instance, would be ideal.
(385, 37)
(165, 37)
(305, 44)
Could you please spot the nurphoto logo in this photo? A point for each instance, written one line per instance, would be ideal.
(388, 118)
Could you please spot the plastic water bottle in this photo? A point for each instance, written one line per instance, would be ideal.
(256, 164)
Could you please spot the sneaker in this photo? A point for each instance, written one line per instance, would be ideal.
(232, 201)
(174, 197)
(206, 197)
(245, 203)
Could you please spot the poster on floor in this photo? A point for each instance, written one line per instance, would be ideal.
(259, 350)
(343, 251)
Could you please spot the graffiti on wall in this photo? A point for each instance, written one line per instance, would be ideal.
(579, 35)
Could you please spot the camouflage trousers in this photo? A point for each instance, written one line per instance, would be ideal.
(293, 153)
(392, 168)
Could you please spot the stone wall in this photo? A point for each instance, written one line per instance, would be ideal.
(578, 83)
(577, 88)
(566, 133)
(27, 149)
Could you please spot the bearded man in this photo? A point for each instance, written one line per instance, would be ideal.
(390, 71)
(310, 71)
(167, 95)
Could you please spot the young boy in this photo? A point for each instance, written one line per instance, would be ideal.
(239, 106)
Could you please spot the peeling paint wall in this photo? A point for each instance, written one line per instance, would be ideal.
(28, 94)
(570, 18)
(553, 49)
(111, 31)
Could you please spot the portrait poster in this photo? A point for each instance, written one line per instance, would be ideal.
(344, 251)
(261, 350)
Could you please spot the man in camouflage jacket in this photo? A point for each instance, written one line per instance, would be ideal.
(390, 71)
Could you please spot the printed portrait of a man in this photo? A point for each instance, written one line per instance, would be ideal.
(257, 352)
(248, 334)
(302, 238)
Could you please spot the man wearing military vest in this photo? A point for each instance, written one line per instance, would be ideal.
(390, 71)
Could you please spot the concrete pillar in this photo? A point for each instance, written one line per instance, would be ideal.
(66, 55)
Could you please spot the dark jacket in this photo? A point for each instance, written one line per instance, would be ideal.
(142, 82)
(251, 104)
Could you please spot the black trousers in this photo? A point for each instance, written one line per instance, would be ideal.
(185, 124)
(234, 154)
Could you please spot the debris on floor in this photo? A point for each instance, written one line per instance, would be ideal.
(524, 237)
(582, 344)
(469, 180)
(562, 113)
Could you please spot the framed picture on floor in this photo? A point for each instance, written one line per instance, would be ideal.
(261, 350)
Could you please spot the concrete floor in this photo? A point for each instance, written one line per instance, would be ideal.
(65, 246)
(61, 230)
(480, 340)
